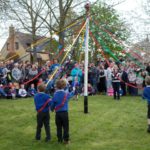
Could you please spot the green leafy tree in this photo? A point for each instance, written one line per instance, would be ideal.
(105, 21)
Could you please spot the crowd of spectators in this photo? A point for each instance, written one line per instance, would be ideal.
(20, 79)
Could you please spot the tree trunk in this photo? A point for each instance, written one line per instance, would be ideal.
(34, 47)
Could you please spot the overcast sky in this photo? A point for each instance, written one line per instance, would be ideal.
(125, 9)
(133, 12)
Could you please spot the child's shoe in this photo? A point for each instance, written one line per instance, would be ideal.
(66, 142)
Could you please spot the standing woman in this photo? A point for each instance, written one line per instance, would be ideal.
(116, 82)
(102, 80)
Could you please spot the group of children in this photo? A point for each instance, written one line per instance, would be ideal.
(59, 104)
(12, 91)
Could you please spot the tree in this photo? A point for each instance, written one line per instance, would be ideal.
(26, 13)
(55, 17)
(4, 5)
(105, 19)
(146, 10)
(50, 16)
(63, 14)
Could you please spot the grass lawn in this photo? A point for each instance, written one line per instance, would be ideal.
(109, 125)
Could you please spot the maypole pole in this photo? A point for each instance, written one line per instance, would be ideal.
(87, 7)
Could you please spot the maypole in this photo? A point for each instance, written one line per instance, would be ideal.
(87, 7)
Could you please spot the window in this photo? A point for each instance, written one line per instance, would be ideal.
(16, 45)
(8, 46)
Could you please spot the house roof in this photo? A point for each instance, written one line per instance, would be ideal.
(26, 39)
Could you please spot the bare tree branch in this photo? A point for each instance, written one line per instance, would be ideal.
(47, 2)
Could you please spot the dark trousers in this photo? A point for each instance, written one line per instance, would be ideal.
(62, 124)
(123, 87)
(116, 86)
(43, 118)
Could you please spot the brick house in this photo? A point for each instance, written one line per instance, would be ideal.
(17, 44)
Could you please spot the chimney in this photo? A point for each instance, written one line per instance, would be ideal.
(11, 38)
(11, 31)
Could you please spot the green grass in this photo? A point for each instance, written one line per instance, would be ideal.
(109, 125)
